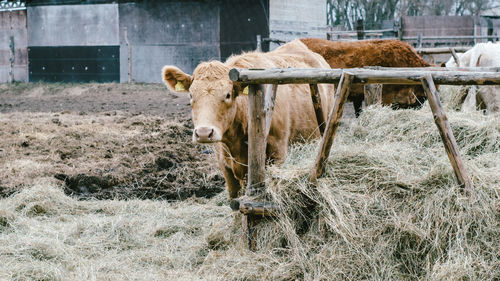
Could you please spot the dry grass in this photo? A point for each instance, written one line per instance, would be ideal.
(388, 208)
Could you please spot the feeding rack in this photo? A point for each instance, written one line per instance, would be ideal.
(263, 84)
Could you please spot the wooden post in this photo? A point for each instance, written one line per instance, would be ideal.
(256, 139)
(419, 40)
(12, 59)
(446, 133)
(318, 110)
(269, 98)
(360, 29)
(455, 57)
(12, 48)
(373, 94)
(256, 153)
(332, 125)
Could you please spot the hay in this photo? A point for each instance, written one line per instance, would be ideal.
(388, 208)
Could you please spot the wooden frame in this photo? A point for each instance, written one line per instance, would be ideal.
(261, 103)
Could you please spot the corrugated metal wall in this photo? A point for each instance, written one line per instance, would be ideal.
(176, 33)
(13, 46)
(66, 41)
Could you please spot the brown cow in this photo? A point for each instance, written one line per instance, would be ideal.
(387, 53)
(219, 108)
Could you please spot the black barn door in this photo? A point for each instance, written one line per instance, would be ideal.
(240, 22)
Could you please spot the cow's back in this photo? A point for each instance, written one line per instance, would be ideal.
(387, 53)
(293, 115)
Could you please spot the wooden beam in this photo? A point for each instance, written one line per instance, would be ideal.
(269, 106)
(249, 207)
(435, 68)
(446, 133)
(318, 110)
(362, 76)
(442, 50)
(332, 125)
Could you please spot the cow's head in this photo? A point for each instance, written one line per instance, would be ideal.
(212, 98)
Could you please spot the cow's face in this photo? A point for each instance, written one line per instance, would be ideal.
(212, 98)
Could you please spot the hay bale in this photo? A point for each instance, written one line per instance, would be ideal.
(388, 206)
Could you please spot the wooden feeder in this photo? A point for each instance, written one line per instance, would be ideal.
(261, 104)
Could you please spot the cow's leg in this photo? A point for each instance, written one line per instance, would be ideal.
(357, 101)
(232, 184)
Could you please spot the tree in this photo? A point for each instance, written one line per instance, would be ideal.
(345, 13)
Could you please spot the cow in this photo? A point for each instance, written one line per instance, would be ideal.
(486, 98)
(387, 53)
(219, 107)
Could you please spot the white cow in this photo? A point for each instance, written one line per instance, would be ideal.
(484, 97)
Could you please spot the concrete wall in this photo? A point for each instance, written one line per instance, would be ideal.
(291, 19)
(73, 25)
(13, 30)
(181, 33)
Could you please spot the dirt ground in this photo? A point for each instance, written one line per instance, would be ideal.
(148, 99)
(103, 141)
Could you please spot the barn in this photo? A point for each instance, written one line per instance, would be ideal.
(121, 41)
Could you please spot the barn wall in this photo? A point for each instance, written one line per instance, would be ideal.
(291, 19)
(181, 33)
(13, 30)
(73, 43)
(73, 25)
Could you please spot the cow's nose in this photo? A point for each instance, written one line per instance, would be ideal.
(204, 134)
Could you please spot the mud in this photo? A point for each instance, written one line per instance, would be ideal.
(103, 141)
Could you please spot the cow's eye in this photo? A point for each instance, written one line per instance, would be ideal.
(228, 96)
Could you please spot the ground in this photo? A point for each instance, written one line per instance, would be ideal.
(103, 141)
(102, 182)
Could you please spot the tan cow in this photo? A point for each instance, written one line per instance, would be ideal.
(219, 107)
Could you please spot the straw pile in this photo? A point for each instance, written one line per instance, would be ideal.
(388, 208)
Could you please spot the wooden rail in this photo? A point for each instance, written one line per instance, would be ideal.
(442, 50)
(261, 103)
(362, 76)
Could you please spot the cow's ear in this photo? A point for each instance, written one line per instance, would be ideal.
(175, 79)
(240, 89)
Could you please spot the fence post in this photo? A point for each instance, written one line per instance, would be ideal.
(269, 98)
(446, 133)
(419, 40)
(332, 124)
(318, 110)
(259, 43)
(256, 153)
(12, 49)
(360, 30)
(12, 59)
